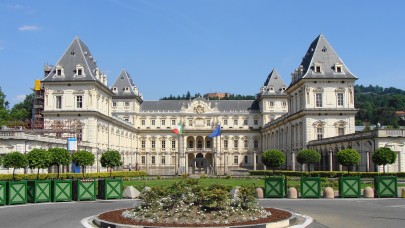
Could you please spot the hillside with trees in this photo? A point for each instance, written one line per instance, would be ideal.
(188, 96)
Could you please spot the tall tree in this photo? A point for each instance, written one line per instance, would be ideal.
(15, 160)
(308, 157)
(60, 156)
(348, 157)
(383, 156)
(110, 159)
(83, 158)
(39, 158)
(273, 159)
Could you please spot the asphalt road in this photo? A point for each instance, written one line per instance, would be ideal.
(325, 212)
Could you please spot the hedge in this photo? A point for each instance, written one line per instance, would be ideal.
(45, 176)
(329, 174)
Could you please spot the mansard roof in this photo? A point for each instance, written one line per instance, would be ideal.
(321, 53)
(124, 86)
(274, 84)
(221, 105)
(77, 54)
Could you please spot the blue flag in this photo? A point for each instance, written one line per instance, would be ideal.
(216, 132)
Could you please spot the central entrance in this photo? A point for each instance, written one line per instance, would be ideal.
(200, 164)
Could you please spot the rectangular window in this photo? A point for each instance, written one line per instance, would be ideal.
(163, 144)
(341, 131)
(246, 159)
(153, 144)
(114, 104)
(245, 144)
(126, 119)
(271, 104)
(225, 122)
(79, 101)
(58, 102)
(79, 135)
(153, 159)
(190, 144)
(153, 122)
(163, 122)
(245, 122)
(163, 160)
(59, 72)
(340, 99)
(173, 122)
(235, 143)
(208, 123)
(173, 144)
(318, 69)
(79, 72)
(284, 103)
(256, 122)
(338, 69)
(318, 100)
(235, 160)
(235, 122)
(208, 144)
(190, 123)
(143, 144)
(319, 133)
(126, 103)
(143, 122)
(226, 144)
(143, 159)
(256, 144)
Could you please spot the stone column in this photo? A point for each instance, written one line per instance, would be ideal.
(293, 160)
(367, 161)
(254, 160)
(225, 163)
(147, 162)
(330, 160)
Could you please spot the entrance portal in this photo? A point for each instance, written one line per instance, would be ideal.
(199, 164)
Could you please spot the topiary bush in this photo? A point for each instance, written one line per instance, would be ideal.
(273, 159)
(348, 157)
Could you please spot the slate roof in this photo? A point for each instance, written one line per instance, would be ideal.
(275, 82)
(321, 51)
(222, 105)
(123, 81)
(76, 53)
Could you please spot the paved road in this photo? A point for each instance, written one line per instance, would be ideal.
(346, 212)
(326, 213)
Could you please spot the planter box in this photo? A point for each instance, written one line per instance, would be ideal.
(350, 187)
(39, 191)
(84, 189)
(274, 187)
(110, 188)
(61, 190)
(310, 187)
(16, 192)
(386, 186)
(3, 191)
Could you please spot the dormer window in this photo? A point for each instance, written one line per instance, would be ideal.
(59, 71)
(114, 89)
(126, 88)
(338, 68)
(79, 70)
(318, 67)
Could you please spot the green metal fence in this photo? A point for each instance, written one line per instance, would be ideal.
(61, 190)
(110, 188)
(39, 191)
(3, 191)
(16, 192)
(84, 190)
(310, 187)
(350, 187)
(274, 187)
(386, 186)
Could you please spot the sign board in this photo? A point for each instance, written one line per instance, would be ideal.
(72, 144)
(37, 85)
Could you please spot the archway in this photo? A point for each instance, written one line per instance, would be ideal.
(199, 164)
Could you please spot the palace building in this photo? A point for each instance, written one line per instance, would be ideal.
(77, 101)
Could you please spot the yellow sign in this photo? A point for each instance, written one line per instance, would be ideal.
(37, 85)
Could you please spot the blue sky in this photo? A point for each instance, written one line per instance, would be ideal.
(171, 47)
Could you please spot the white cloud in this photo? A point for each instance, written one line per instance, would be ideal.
(29, 28)
(19, 98)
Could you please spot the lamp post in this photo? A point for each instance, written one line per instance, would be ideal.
(330, 158)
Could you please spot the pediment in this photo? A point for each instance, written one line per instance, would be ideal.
(199, 106)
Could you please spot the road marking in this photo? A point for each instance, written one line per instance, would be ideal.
(308, 221)
(402, 206)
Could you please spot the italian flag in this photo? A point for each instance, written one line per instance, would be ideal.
(178, 129)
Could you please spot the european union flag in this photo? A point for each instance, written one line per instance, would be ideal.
(216, 132)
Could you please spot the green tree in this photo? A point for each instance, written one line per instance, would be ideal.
(273, 159)
(110, 159)
(308, 157)
(83, 158)
(23, 110)
(39, 158)
(348, 157)
(60, 156)
(15, 160)
(383, 156)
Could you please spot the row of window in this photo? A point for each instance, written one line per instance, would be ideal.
(320, 132)
(58, 104)
(163, 159)
(190, 144)
(190, 122)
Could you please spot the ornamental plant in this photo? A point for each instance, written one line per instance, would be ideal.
(348, 157)
(383, 156)
(83, 158)
(39, 158)
(60, 156)
(273, 159)
(15, 160)
(110, 159)
(308, 157)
